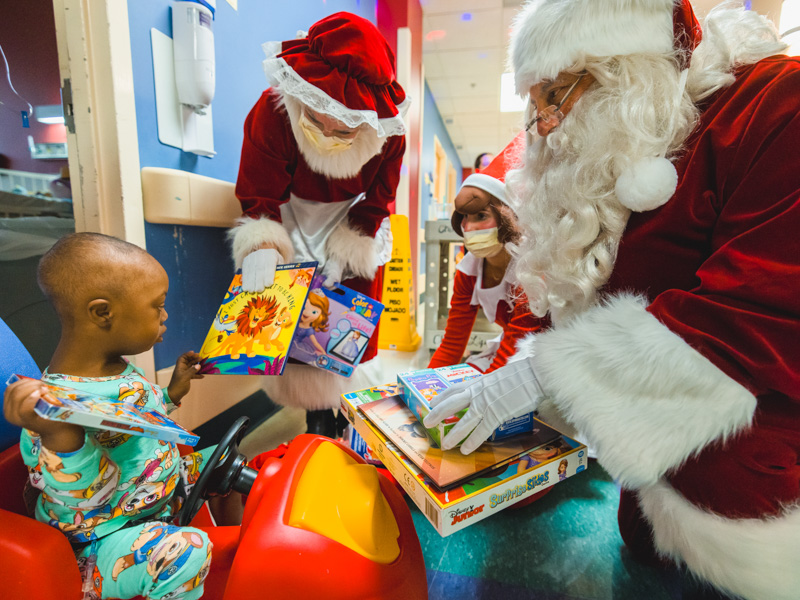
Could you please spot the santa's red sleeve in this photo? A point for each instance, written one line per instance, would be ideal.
(265, 168)
(265, 174)
(520, 323)
(460, 321)
(366, 216)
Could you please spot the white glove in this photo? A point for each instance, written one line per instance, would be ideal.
(332, 273)
(258, 269)
(492, 399)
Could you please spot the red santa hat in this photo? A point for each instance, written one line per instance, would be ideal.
(342, 68)
(492, 178)
(549, 37)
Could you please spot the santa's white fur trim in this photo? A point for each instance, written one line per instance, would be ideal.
(487, 183)
(359, 254)
(304, 386)
(647, 184)
(249, 233)
(645, 400)
(753, 558)
(549, 37)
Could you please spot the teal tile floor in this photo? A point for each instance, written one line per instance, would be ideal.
(565, 546)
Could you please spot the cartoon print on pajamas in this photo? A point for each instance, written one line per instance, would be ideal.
(146, 494)
(195, 581)
(97, 493)
(165, 549)
(191, 464)
(52, 462)
(134, 394)
(82, 528)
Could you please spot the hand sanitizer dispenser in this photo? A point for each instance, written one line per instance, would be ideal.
(193, 39)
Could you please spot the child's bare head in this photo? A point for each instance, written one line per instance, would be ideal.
(83, 266)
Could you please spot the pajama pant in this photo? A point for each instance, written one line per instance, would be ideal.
(151, 558)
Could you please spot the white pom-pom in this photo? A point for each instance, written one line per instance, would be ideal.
(647, 184)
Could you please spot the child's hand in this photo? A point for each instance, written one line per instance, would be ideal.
(18, 404)
(185, 370)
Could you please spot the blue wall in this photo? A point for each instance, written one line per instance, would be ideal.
(433, 125)
(197, 259)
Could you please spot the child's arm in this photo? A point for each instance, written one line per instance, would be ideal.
(18, 404)
(185, 370)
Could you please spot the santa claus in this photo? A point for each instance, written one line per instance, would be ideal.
(320, 164)
(660, 202)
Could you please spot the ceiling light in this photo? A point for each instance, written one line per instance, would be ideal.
(50, 114)
(509, 100)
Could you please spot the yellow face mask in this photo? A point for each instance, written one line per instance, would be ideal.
(323, 143)
(483, 243)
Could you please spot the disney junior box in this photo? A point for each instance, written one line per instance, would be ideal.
(485, 495)
(334, 328)
(418, 388)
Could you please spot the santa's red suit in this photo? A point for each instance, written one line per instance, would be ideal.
(502, 304)
(686, 378)
(674, 348)
(312, 204)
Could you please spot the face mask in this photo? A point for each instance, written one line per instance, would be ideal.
(483, 243)
(323, 143)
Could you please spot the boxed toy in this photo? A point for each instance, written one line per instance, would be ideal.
(334, 328)
(60, 403)
(417, 388)
(455, 509)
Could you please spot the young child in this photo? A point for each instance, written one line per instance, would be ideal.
(485, 277)
(113, 495)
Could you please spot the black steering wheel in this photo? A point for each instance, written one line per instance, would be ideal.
(226, 470)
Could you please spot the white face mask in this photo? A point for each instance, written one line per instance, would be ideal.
(320, 141)
(483, 243)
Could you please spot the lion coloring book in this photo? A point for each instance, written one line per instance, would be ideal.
(252, 332)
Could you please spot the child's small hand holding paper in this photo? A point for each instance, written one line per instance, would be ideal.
(186, 369)
(18, 404)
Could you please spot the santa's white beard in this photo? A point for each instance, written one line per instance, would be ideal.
(571, 223)
(563, 194)
(338, 165)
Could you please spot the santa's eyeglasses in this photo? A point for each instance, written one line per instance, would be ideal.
(552, 114)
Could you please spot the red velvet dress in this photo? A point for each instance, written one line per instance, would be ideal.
(272, 168)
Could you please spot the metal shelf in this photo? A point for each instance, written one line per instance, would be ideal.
(439, 271)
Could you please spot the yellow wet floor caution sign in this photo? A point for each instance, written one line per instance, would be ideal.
(398, 330)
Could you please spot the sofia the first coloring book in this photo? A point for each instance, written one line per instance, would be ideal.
(334, 328)
(252, 332)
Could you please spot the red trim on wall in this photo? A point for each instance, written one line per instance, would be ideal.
(391, 15)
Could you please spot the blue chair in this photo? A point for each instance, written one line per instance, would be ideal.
(37, 559)
(14, 358)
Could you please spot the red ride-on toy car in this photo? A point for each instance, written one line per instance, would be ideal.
(318, 523)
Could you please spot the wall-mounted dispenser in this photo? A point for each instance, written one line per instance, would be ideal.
(193, 43)
(184, 72)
